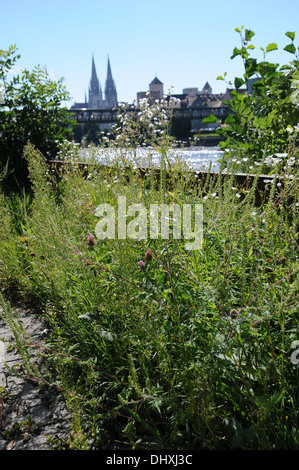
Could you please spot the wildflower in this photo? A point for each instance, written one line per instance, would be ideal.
(91, 241)
(281, 155)
(148, 256)
(141, 264)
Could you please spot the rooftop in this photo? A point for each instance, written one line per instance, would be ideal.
(156, 81)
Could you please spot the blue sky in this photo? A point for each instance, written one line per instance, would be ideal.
(183, 43)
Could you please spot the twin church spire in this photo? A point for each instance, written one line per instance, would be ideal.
(95, 94)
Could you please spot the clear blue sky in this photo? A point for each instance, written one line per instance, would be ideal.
(185, 43)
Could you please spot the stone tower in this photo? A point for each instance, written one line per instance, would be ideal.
(95, 91)
(110, 89)
(156, 89)
(207, 88)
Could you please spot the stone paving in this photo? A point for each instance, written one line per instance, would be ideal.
(29, 415)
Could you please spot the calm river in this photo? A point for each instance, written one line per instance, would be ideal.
(199, 158)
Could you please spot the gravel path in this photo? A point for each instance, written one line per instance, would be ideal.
(29, 415)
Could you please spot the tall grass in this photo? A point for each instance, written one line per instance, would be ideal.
(190, 350)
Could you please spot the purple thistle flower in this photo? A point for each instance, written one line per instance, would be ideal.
(91, 241)
(148, 255)
(141, 264)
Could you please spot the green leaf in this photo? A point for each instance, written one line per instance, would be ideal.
(248, 34)
(276, 397)
(261, 401)
(250, 66)
(230, 119)
(236, 52)
(290, 48)
(290, 35)
(271, 47)
(242, 52)
(239, 82)
(210, 118)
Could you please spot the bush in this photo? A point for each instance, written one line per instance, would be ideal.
(31, 111)
(265, 106)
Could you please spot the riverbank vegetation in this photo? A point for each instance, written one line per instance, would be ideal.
(151, 345)
(263, 123)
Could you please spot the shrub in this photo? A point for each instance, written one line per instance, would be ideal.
(31, 111)
(265, 107)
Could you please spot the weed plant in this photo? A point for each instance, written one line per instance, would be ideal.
(152, 346)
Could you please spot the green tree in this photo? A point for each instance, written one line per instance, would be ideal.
(30, 111)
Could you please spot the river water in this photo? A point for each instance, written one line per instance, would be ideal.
(198, 158)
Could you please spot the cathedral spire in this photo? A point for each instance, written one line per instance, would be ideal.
(110, 89)
(95, 91)
(109, 73)
(93, 70)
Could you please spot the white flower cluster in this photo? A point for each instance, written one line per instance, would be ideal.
(284, 158)
(68, 150)
(147, 123)
(273, 160)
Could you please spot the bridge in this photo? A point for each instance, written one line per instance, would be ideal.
(86, 115)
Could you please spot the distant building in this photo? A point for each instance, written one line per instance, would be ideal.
(192, 97)
(110, 89)
(155, 90)
(207, 89)
(95, 94)
(191, 91)
(141, 95)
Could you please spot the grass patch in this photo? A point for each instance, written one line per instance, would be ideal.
(190, 350)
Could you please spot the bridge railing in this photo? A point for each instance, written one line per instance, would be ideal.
(111, 115)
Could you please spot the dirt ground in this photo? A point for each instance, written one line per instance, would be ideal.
(31, 417)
